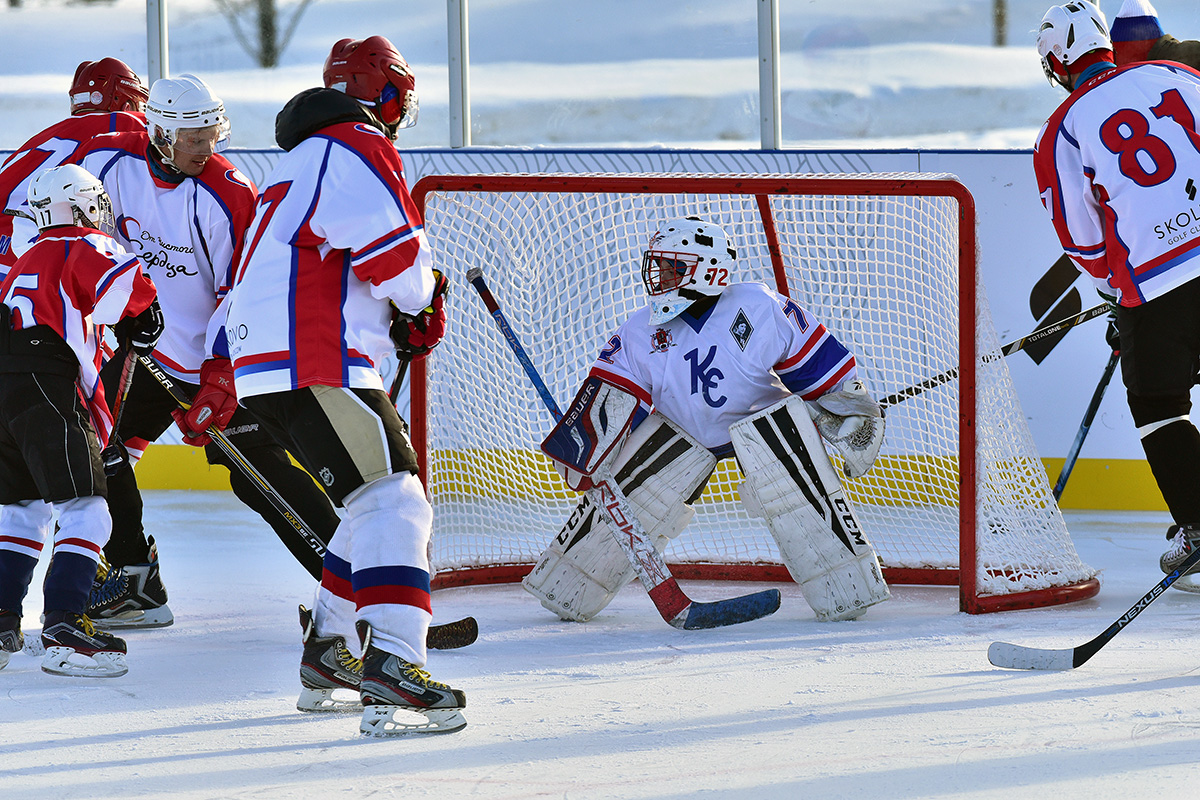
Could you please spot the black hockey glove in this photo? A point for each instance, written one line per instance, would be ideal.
(414, 336)
(141, 333)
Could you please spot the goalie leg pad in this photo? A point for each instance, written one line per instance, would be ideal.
(791, 482)
(662, 471)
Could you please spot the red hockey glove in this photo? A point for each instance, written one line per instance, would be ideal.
(214, 404)
(414, 336)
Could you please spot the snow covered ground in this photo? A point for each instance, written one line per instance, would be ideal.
(901, 704)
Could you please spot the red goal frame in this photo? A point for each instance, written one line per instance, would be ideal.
(761, 187)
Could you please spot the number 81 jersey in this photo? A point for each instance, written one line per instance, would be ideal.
(746, 352)
(1118, 168)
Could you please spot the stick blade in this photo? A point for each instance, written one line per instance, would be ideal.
(698, 616)
(452, 635)
(1014, 656)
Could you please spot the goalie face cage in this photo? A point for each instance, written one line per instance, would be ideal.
(887, 262)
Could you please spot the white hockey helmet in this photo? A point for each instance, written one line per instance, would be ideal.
(687, 259)
(69, 195)
(184, 103)
(1068, 33)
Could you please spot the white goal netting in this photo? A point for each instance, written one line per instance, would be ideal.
(879, 267)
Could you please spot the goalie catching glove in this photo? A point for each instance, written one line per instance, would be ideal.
(853, 423)
(213, 405)
(415, 335)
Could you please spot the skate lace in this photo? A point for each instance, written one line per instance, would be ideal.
(102, 569)
(112, 588)
(346, 660)
(419, 675)
(86, 625)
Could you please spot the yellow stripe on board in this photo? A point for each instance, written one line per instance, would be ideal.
(1109, 484)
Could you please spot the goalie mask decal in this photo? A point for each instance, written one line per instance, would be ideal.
(661, 341)
(741, 330)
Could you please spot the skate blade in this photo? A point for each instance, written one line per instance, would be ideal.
(66, 661)
(380, 720)
(1189, 583)
(159, 617)
(323, 700)
(4, 656)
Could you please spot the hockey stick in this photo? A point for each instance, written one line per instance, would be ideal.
(440, 637)
(1005, 350)
(114, 456)
(675, 607)
(1014, 656)
(1086, 424)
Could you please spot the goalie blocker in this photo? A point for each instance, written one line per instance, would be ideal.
(663, 471)
(790, 481)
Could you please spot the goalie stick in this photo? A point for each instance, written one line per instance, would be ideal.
(449, 636)
(1005, 350)
(1015, 656)
(676, 608)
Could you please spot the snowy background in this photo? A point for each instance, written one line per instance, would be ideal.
(902, 703)
(876, 73)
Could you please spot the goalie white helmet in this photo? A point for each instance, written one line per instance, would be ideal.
(186, 122)
(1067, 34)
(69, 195)
(687, 259)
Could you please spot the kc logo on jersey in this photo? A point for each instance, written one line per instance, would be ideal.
(661, 341)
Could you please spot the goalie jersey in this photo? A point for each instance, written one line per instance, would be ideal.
(750, 350)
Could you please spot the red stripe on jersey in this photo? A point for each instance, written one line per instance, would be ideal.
(316, 311)
(338, 587)
(829, 385)
(818, 335)
(393, 595)
(262, 358)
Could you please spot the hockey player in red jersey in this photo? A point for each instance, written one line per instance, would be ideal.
(105, 95)
(1116, 165)
(54, 417)
(183, 209)
(335, 274)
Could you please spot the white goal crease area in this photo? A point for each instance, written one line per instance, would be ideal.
(886, 261)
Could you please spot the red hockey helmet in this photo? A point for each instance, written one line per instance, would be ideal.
(107, 85)
(373, 71)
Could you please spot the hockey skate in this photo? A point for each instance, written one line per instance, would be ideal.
(75, 647)
(1184, 539)
(391, 686)
(132, 596)
(11, 640)
(325, 666)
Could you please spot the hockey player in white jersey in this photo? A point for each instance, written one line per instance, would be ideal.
(183, 209)
(1116, 165)
(711, 368)
(336, 275)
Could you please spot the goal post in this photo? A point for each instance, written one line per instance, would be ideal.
(887, 262)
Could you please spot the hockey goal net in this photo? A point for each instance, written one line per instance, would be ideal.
(886, 261)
